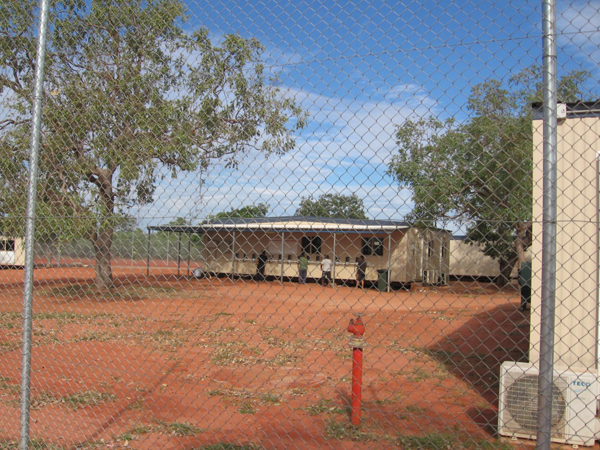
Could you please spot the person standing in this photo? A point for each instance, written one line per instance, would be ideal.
(361, 269)
(261, 262)
(326, 269)
(525, 284)
(302, 268)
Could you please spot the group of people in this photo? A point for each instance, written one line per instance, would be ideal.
(326, 266)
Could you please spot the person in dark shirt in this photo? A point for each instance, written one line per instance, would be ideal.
(525, 284)
(261, 262)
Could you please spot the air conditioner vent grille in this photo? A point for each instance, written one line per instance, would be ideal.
(522, 403)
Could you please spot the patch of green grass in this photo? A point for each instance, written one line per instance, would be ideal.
(281, 359)
(178, 429)
(247, 408)
(9, 346)
(419, 374)
(9, 387)
(34, 444)
(414, 409)
(87, 398)
(270, 398)
(138, 430)
(324, 406)
(223, 446)
(77, 400)
(346, 431)
(137, 405)
(223, 314)
(132, 293)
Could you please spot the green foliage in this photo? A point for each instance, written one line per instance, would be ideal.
(249, 212)
(479, 173)
(333, 205)
(133, 96)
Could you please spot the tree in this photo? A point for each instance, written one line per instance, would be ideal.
(479, 173)
(333, 205)
(252, 211)
(132, 96)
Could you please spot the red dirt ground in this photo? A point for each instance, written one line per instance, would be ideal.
(168, 362)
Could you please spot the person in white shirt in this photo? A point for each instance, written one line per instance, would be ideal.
(326, 268)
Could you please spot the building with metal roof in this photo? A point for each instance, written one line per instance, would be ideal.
(396, 253)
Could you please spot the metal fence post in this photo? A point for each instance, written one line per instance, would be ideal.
(30, 227)
(548, 230)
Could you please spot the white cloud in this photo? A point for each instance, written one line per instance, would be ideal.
(345, 149)
(578, 23)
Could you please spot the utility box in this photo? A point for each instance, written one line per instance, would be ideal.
(382, 280)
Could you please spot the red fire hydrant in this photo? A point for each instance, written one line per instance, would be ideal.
(357, 342)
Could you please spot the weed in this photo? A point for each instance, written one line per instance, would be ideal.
(246, 408)
(414, 409)
(214, 392)
(270, 398)
(139, 429)
(173, 429)
(6, 385)
(339, 430)
(222, 446)
(78, 400)
(88, 398)
(178, 429)
(419, 374)
(34, 444)
(137, 404)
(324, 406)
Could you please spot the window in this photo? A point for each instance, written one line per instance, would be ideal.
(311, 245)
(7, 246)
(430, 249)
(372, 246)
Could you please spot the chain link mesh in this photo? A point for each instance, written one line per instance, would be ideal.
(224, 186)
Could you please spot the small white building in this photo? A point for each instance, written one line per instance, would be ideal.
(12, 252)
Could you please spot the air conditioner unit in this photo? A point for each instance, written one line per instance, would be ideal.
(574, 398)
(430, 277)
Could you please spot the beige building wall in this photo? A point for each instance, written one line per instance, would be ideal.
(236, 252)
(577, 243)
(468, 260)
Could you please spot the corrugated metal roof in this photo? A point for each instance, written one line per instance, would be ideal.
(289, 223)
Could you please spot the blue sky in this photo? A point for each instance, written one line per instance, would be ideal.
(360, 69)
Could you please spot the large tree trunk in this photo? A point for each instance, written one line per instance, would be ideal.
(102, 245)
(506, 268)
(523, 240)
(103, 237)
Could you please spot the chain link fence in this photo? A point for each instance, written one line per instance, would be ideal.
(310, 225)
